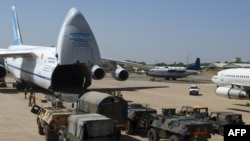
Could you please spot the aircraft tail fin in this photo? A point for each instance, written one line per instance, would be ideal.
(196, 66)
(16, 30)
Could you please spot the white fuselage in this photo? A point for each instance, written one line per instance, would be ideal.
(38, 69)
(232, 76)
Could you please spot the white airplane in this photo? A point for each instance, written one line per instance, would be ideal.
(175, 72)
(233, 83)
(68, 66)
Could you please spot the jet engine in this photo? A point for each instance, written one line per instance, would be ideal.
(232, 93)
(3, 72)
(120, 74)
(97, 72)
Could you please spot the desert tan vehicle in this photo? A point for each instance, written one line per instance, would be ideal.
(50, 119)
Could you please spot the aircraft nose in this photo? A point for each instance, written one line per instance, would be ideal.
(214, 79)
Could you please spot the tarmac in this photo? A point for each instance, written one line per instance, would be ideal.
(19, 124)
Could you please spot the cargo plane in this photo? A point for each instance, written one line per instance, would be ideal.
(68, 66)
(175, 72)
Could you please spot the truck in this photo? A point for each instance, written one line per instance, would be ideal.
(220, 119)
(138, 116)
(50, 119)
(88, 127)
(114, 107)
(177, 128)
(196, 111)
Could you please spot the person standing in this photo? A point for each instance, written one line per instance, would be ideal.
(33, 99)
(30, 98)
(25, 93)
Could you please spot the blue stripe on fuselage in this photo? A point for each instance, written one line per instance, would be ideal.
(31, 73)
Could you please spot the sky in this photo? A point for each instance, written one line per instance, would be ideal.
(151, 31)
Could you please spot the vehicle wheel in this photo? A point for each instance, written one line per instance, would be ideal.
(118, 134)
(221, 131)
(40, 129)
(129, 128)
(152, 135)
(48, 134)
(174, 138)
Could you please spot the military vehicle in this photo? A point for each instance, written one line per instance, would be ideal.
(198, 112)
(177, 128)
(110, 106)
(88, 127)
(50, 119)
(219, 119)
(138, 116)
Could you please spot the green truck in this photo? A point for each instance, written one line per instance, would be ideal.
(138, 116)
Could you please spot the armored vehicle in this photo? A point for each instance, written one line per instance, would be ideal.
(219, 119)
(88, 127)
(198, 112)
(50, 119)
(178, 128)
(138, 116)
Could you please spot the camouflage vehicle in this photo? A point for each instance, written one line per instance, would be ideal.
(198, 112)
(50, 119)
(178, 128)
(138, 116)
(219, 119)
(88, 127)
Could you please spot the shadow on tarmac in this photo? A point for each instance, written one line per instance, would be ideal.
(240, 110)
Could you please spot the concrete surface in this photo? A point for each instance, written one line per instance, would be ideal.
(19, 124)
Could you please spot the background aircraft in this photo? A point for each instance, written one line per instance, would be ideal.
(175, 72)
(67, 67)
(233, 83)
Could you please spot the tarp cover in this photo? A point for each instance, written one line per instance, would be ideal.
(92, 101)
(94, 125)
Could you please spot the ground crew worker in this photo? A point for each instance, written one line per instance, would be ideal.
(25, 93)
(33, 99)
(30, 98)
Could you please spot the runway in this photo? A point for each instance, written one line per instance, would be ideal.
(19, 124)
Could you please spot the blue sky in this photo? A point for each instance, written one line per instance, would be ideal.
(141, 30)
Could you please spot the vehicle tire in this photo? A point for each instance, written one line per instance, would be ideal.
(152, 135)
(174, 138)
(129, 127)
(118, 134)
(221, 130)
(40, 128)
(47, 133)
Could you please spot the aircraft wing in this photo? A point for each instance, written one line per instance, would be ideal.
(114, 62)
(16, 53)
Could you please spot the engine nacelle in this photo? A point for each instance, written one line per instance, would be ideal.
(120, 74)
(3, 72)
(232, 93)
(97, 72)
